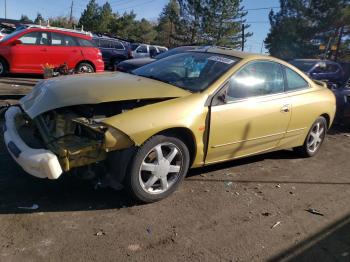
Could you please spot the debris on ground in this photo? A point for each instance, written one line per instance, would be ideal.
(278, 186)
(148, 229)
(33, 207)
(237, 194)
(228, 183)
(100, 233)
(206, 190)
(134, 247)
(276, 224)
(266, 214)
(314, 211)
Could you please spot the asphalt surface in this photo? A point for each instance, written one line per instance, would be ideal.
(253, 209)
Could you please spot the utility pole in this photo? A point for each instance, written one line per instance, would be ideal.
(243, 40)
(341, 31)
(71, 12)
(5, 10)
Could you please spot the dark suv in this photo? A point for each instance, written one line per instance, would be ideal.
(113, 50)
(321, 70)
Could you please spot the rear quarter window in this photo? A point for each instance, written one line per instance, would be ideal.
(294, 80)
(86, 43)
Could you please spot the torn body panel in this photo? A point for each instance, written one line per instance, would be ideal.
(95, 89)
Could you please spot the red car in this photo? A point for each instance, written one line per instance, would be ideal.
(29, 49)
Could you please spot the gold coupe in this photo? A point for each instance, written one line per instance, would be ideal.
(144, 130)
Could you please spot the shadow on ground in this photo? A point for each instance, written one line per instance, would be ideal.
(18, 189)
(330, 244)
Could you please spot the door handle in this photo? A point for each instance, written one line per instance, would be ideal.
(285, 108)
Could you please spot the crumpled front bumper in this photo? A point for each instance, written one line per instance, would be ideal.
(40, 163)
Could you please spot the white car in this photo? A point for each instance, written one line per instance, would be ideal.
(144, 50)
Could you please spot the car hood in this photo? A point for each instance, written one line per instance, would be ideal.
(94, 89)
(140, 61)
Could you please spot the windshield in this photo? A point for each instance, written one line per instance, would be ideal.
(191, 71)
(13, 34)
(134, 46)
(304, 66)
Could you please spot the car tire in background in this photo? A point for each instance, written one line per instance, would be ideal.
(314, 139)
(3, 67)
(85, 68)
(158, 168)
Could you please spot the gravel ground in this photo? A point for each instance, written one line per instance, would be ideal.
(247, 210)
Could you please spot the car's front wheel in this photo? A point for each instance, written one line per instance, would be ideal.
(159, 166)
(314, 139)
(3, 67)
(85, 68)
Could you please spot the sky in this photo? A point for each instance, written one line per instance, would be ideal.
(150, 9)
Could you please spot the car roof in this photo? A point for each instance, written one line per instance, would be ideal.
(229, 52)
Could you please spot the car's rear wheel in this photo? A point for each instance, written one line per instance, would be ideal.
(3, 67)
(85, 68)
(158, 168)
(314, 139)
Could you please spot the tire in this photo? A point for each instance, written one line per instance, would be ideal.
(147, 180)
(85, 68)
(312, 146)
(3, 68)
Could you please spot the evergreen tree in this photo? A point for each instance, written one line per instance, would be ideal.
(168, 24)
(300, 26)
(105, 18)
(223, 22)
(25, 19)
(90, 18)
(39, 19)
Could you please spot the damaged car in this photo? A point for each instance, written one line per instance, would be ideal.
(146, 129)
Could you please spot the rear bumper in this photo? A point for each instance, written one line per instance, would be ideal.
(99, 66)
(40, 163)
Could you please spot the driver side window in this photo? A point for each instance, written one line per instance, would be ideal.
(256, 79)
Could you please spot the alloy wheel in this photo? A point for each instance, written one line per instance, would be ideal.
(161, 168)
(316, 137)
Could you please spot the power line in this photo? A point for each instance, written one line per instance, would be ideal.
(141, 4)
(261, 8)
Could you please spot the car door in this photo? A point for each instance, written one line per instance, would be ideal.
(302, 99)
(29, 56)
(63, 49)
(254, 115)
(142, 51)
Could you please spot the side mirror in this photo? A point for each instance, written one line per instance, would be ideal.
(17, 42)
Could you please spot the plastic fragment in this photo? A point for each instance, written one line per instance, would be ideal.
(33, 207)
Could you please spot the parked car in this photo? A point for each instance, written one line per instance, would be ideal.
(113, 50)
(143, 50)
(321, 70)
(342, 94)
(131, 64)
(28, 49)
(188, 110)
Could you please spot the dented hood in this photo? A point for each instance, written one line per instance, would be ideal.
(94, 89)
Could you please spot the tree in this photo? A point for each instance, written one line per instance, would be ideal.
(301, 26)
(143, 31)
(25, 19)
(223, 22)
(39, 19)
(90, 18)
(191, 13)
(168, 24)
(105, 18)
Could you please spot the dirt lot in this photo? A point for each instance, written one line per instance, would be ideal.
(221, 213)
